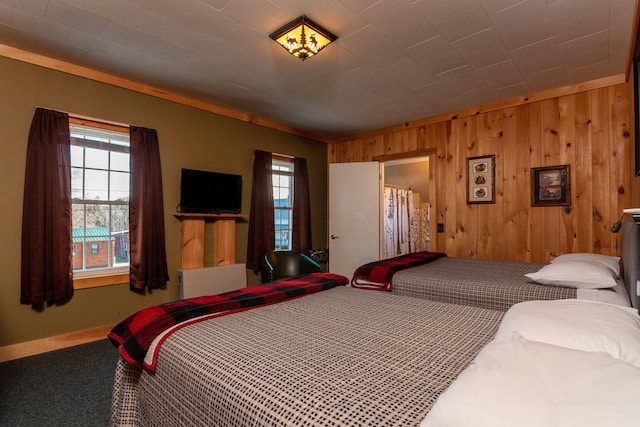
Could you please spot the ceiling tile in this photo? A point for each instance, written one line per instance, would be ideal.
(461, 79)
(493, 6)
(547, 79)
(436, 55)
(37, 24)
(372, 47)
(523, 23)
(585, 50)
(537, 57)
(89, 42)
(481, 49)
(400, 22)
(588, 72)
(217, 4)
(569, 25)
(454, 19)
(502, 74)
(122, 11)
(358, 6)
(258, 14)
(410, 74)
(75, 17)
(127, 36)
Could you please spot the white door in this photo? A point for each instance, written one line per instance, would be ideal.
(354, 215)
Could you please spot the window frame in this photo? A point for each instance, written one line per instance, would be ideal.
(106, 276)
(284, 162)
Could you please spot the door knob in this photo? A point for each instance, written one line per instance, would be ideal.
(333, 237)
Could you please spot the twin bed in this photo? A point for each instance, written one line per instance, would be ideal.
(336, 355)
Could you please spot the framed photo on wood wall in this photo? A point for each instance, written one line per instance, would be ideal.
(551, 186)
(481, 172)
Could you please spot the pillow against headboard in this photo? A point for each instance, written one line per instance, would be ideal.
(610, 262)
(575, 274)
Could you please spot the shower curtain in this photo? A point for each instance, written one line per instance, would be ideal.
(405, 225)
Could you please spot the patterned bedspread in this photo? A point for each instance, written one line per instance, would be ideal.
(482, 283)
(135, 335)
(342, 357)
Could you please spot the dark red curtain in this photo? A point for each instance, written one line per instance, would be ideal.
(146, 213)
(46, 211)
(261, 223)
(301, 240)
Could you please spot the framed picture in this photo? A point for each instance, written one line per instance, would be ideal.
(551, 186)
(480, 179)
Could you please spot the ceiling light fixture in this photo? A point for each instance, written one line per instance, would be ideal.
(302, 37)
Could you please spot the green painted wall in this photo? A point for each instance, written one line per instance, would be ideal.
(188, 138)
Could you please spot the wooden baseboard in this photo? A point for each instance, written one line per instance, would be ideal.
(43, 345)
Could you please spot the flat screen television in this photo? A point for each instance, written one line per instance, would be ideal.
(209, 192)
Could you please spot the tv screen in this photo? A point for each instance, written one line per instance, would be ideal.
(210, 192)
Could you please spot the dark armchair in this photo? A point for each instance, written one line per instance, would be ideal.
(280, 263)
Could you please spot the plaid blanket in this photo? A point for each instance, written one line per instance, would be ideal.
(377, 275)
(134, 335)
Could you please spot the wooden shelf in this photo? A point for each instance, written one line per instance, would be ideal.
(193, 238)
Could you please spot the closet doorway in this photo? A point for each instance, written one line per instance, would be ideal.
(406, 206)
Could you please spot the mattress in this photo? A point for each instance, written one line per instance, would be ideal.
(344, 357)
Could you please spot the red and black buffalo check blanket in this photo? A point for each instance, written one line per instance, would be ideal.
(134, 335)
(377, 275)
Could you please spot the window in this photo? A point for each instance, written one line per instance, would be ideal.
(100, 200)
(282, 172)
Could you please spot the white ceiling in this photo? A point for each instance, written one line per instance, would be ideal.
(394, 61)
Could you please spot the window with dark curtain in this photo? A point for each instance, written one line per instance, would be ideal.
(301, 207)
(261, 222)
(148, 260)
(46, 213)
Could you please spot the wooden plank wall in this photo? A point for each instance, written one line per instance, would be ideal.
(588, 130)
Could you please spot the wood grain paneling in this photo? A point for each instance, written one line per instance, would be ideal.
(588, 130)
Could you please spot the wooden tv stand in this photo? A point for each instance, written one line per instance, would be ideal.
(224, 232)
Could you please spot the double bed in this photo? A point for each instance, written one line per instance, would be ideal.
(343, 356)
(494, 284)
(498, 284)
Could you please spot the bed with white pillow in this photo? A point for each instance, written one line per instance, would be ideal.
(551, 363)
(571, 362)
(497, 284)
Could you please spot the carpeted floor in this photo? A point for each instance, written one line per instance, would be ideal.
(68, 387)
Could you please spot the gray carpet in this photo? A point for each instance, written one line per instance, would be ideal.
(68, 387)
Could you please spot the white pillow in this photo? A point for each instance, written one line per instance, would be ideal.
(575, 274)
(612, 262)
(578, 324)
(529, 384)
